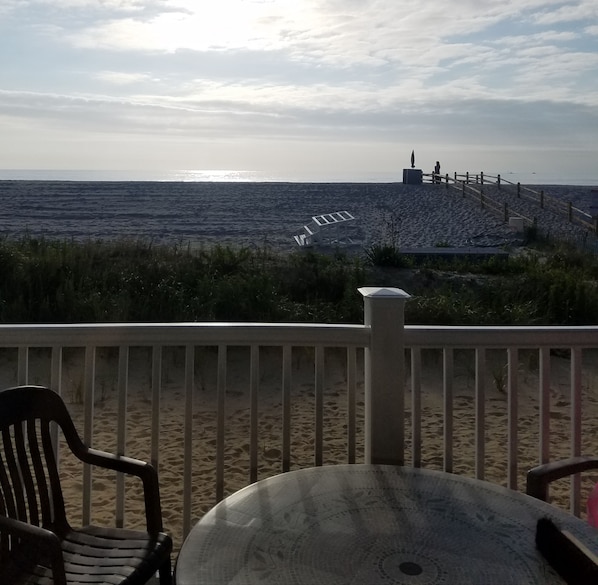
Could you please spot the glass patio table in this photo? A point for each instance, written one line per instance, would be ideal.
(370, 524)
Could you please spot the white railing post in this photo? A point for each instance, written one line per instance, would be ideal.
(384, 314)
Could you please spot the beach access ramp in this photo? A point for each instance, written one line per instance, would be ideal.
(336, 228)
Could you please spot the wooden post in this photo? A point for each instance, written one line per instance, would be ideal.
(498, 181)
(384, 314)
(518, 190)
(447, 181)
(482, 177)
(467, 177)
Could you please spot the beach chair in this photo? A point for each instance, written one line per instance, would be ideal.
(37, 544)
(539, 478)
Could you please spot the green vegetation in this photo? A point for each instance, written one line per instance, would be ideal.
(47, 281)
(386, 255)
(555, 286)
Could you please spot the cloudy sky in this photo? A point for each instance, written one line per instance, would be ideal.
(299, 85)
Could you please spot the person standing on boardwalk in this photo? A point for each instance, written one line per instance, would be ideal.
(437, 172)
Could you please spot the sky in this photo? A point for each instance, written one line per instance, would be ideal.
(309, 86)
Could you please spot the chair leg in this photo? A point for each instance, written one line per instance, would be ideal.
(166, 573)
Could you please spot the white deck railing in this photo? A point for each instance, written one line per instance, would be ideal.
(389, 379)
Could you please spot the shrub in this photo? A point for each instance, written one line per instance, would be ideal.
(385, 255)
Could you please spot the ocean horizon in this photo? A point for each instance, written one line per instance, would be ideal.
(244, 176)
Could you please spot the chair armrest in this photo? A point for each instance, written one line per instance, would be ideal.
(141, 469)
(42, 541)
(539, 477)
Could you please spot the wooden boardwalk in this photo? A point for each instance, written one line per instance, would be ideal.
(552, 216)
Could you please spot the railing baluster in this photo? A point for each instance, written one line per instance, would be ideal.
(23, 365)
(575, 425)
(56, 369)
(220, 440)
(544, 404)
(156, 400)
(512, 389)
(286, 406)
(254, 376)
(480, 412)
(121, 430)
(89, 399)
(351, 398)
(56, 384)
(188, 438)
(416, 406)
(447, 388)
(319, 405)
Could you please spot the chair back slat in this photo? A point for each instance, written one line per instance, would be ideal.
(7, 503)
(27, 485)
(13, 488)
(46, 467)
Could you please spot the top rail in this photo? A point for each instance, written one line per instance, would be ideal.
(499, 336)
(296, 334)
(178, 334)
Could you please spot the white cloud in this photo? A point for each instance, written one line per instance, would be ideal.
(223, 25)
(578, 11)
(371, 70)
(122, 78)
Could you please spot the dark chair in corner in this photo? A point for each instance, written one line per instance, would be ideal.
(541, 476)
(37, 544)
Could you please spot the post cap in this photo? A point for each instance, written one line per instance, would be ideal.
(383, 292)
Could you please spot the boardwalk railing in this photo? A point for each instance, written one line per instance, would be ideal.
(454, 398)
(472, 185)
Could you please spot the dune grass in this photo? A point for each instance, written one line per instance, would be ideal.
(49, 281)
(46, 281)
(558, 286)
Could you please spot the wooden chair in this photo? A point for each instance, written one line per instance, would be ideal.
(37, 544)
(541, 476)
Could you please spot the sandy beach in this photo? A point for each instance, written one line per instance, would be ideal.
(268, 214)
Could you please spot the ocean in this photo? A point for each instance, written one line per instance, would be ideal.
(525, 178)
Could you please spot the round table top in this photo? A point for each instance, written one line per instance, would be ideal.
(368, 524)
